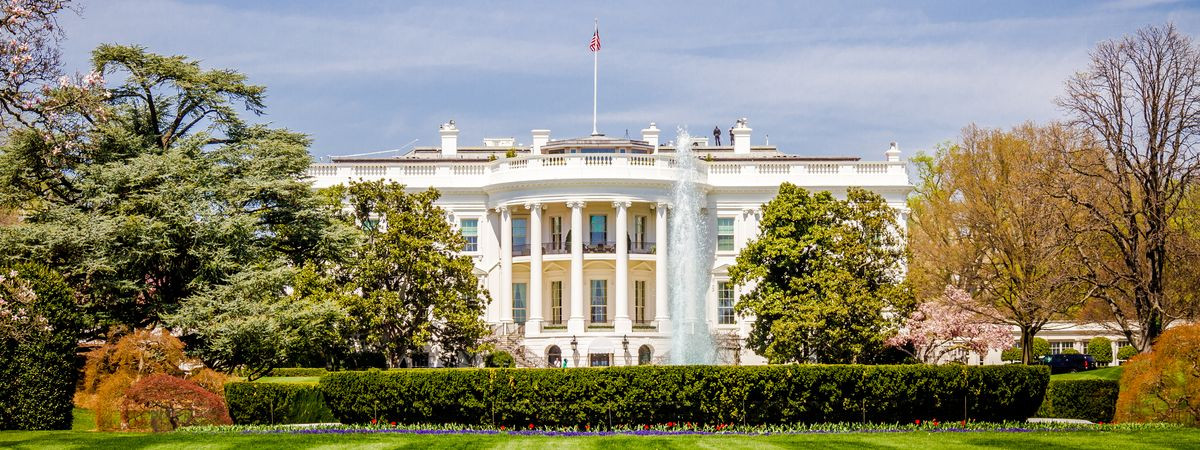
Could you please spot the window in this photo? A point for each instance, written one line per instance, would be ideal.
(556, 236)
(554, 356)
(599, 228)
(520, 301)
(645, 354)
(599, 301)
(600, 359)
(639, 231)
(556, 302)
(639, 301)
(520, 235)
(725, 234)
(370, 224)
(470, 230)
(725, 303)
(1057, 347)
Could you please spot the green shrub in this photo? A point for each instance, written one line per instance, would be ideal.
(1070, 351)
(39, 329)
(1126, 353)
(297, 372)
(1041, 347)
(702, 394)
(1100, 348)
(1094, 400)
(273, 403)
(499, 359)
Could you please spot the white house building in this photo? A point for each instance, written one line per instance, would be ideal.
(569, 235)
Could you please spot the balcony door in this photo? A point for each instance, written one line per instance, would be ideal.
(599, 229)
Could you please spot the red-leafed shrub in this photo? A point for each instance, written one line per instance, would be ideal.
(164, 403)
(1164, 385)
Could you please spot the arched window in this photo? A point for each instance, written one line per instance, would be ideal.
(645, 354)
(554, 356)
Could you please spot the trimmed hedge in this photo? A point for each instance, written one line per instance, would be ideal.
(275, 403)
(701, 394)
(297, 372)
(1094, 400)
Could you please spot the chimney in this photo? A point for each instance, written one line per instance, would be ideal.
(893, 153)
(650, 135)
(741, 138)
(540, 138)
(449, 134)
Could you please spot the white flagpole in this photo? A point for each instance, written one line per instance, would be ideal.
(595, 75)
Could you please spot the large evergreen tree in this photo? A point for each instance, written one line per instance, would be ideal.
(821, 275)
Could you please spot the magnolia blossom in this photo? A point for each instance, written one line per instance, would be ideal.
(945, 325)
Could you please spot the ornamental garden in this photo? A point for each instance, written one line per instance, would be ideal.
(171, 277)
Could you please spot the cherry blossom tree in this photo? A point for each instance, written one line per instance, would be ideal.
(945, 325)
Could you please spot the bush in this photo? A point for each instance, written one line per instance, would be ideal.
(1041, 347)
(274, 403)
(1100, 348)
(701, 394)
(1093, 400)
(1126, 353)
(1164, 384)
(164, 403)
(39, 329)
(499, 359)
(297, 372)
(1070, 351)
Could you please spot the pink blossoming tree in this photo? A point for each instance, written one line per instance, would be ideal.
(945, 325)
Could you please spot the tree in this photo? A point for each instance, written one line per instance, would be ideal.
(179, 402)
(1100, 348)
(142, 217)
(820, 276)
(1139, 100)
(414, 288)
(983, 218)
(947, 325)
(253, 323)
(1163, 385)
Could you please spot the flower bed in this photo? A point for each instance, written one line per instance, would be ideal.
(929, 426)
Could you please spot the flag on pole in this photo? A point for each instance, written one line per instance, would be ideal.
(595, 41)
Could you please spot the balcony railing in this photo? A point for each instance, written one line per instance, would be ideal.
(600, 247)
(556, 248)
(520, 249)
(641, 248)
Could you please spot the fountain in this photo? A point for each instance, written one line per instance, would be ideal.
(689, 262)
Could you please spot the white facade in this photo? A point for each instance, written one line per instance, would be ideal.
(600, 299)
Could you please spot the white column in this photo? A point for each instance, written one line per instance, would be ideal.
(575, 325)
(662, 308)
(622, 324)
(505, 264)
(534, 325)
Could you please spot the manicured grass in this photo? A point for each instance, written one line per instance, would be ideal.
(303, 380)
(1107, 373)
(1174, 438)
(83, 420)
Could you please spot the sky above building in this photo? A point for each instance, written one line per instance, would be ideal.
(832, 78)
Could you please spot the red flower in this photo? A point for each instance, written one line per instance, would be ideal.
(935, 422)
(393, 424)
(501, 427)
(645, 427)
(963, 423)
(670, 424)
(588, 427)
(531, 426)
(918, 421)
(372, 421)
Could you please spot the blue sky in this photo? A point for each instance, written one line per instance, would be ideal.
(820, 78)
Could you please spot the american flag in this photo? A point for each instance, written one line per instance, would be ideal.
(595, 41)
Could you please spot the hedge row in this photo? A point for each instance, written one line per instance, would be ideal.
(275, 403)
(1093, 400)
(297, 372)
(702, 394)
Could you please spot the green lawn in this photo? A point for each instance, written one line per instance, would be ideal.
(1045, 440)
(1107, 373)
(83, 420)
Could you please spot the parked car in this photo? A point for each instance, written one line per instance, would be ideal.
(1063, 363)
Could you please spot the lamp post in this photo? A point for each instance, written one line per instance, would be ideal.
(625, 345)
(575, 350)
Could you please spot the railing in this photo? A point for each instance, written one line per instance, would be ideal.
(641, 248)
(520, 250)
(425, 170)
(556, 248)
(600, 247)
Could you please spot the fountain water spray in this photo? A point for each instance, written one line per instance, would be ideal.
(689, 261)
